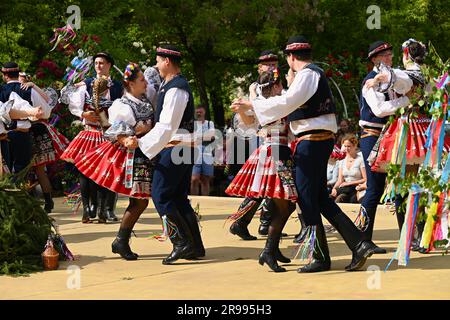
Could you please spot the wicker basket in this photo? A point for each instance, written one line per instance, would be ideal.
(50, 258)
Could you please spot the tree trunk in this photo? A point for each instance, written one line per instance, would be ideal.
(199, 73)
(217, 105)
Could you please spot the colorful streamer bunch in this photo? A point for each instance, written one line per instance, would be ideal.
(73, 198)
(80, 68)
(407, 234)
(63, 36)
(241, 211)
(308, 244)
(436, 138)
(169, 230)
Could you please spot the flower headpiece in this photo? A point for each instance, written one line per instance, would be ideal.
(131, 70)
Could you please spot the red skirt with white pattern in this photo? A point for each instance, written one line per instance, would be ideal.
(264, 176)
(48, 144)
(82, 144)
(110, 165)
(403, 130)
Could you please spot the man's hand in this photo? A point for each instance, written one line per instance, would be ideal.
(290, 77)
(90, 116)
(333, 193)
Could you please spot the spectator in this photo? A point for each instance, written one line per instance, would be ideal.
(344, 128)
(333, 167)
(203, 169)
(352, 172)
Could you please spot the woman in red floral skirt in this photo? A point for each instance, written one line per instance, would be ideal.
(268, 173)
(113, 166)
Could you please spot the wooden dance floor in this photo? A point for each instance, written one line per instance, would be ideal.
(230, 269)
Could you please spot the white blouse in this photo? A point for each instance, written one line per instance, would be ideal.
(354, 173)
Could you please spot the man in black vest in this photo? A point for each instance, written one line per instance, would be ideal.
(375, 110)
(171, 139)
(310, 108)
(18, 150)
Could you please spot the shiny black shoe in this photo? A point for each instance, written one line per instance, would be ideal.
(315, 266)
(364, 250)
(379, 250)
(241, 231)
(110, 216)
(271, 261)
(179, 252)
(122, 247)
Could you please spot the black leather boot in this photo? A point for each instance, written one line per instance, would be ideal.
(269, 255)
(369, 231)
(49, 204)
(301, 234)
(181, 240)
(111, 199)
(321, 255)
(199, 249)
(265, 218)
(86, 211)
(240, 227)
(102, 206)
(121, 245)
(361, 248)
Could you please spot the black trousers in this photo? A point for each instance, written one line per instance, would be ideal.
(17, 151)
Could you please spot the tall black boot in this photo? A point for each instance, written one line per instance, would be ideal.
(111, 199)
(181, 240)
(265, 218)
(86, 211)
(199, 249)
(361, 248)
(269, 254)
(321, 255)
(301, 234)
(49, 204)
(121, 245)
(102, 206)
(94, 198)
(240, 227)
(369, 231)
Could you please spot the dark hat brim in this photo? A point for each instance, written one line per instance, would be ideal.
(106, 56)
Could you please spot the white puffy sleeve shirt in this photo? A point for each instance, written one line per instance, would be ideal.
(165, 130)
(303, 87)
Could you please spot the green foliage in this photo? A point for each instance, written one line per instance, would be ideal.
(24, 228)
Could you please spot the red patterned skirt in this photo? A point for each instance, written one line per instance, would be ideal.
(113, 166)
(48, 143)
(263, 176)
(81, 144)
(404, 130)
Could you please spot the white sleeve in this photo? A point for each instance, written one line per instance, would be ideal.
(121, 112)
(39, 101)
(379, 106)
(403, 82)
(301, 90)
(19, 103)
(175, 102)
(76, 101)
